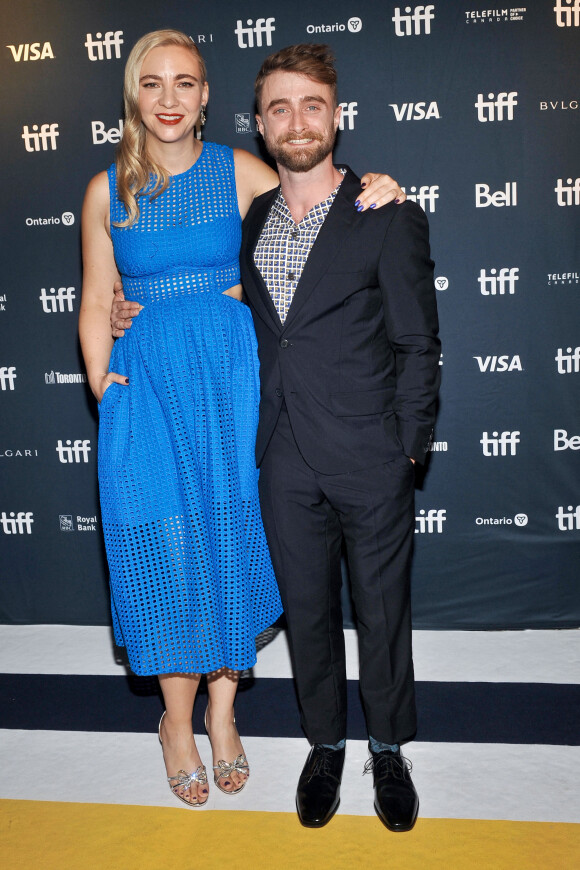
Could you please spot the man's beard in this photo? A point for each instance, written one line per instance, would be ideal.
(301, 159)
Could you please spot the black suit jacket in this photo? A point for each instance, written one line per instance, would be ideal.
(357, 360)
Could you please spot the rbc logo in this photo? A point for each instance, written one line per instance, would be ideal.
(57, 300)
(493, 109)
(430, 522)
(413, 19)
(104, 46)
(498, 445)
(569, 193)
(348, 113)
(7, 377)
(38, 140)
(495, 284)
(261, 27)
(567, 13)
(17, 524)
(77, 452)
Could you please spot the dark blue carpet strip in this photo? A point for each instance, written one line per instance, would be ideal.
(448, 712)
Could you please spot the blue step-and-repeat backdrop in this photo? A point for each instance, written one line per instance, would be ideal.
(474, 108)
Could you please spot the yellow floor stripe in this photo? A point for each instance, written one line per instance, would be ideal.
(63, 836)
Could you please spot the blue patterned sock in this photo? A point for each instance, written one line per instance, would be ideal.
(377, 746)
(340, 745)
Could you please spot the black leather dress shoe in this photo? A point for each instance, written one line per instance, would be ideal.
(396, 801)
(318, 794)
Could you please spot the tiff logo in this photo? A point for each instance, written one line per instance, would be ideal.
(413, 19)
(569, 193)
(348, 113)
(492, 109)
(104, 45)
(567, 13)
(57, 300)
(568, 362)
(570, 520)
(77, 452)
(427, 194)
(509, 196)
(261, 27)
(38, 140)
(494, 284)
(7, 377)
(497, 445)
(430, 522)
(17, 524)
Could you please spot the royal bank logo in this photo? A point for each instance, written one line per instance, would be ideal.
(17, 523)
(413, 22)
(251, 35)
(563, 278)
(53, 377)
(563, 441)
(73, 451)
(102, 135)
(568, 519)
(105, 47)
(430, 522)
(67, 219)
(506, 197)
(31, 51)
(496, 108)
(568, 361)
(425, 196)
(496, 444)
(83, 524)
(495, 16)
(520, 520)
(7, 377)
(558, 105)
(55, 301)
(420, 111)
(41, 138)
(498, 283)
(504, 363)
(569, 193)
(347, 116)
(3, 302)
(567, 13)
(243, 122)
(353, 25)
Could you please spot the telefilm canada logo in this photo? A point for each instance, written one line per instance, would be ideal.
(563, 278)
(17, 523)
(495, 16)
(353, 25)
(413, 21)
(252, 34)
(66, 219)
(83, 524)
(27, 51)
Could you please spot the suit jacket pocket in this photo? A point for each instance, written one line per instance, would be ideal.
(360, 403)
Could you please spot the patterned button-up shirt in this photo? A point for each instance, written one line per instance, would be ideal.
(284, 246)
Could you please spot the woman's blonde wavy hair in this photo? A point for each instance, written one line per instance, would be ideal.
(135, 169)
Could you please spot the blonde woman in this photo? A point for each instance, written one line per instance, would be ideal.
(191, 578)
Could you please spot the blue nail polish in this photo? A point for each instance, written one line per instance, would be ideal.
(357, 203)
(360, 208)
(363, 184)
(373, 205)
(397, 201)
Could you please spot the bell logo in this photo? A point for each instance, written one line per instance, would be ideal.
(263, 26)
(494, 284)
(498, 445)
(31, 51)
(412, 20)
(430, 522)
(499, 363)
(7, 377)
(425, 195)
(101, 48)
(17, 523)
(415, 111)
(569, 193)
(492, 109)
(567, 13)
(57, 300)
(348, 113)
(101, 135)
(509, 196)
(568, 520)
(73, 452)
(38, 140)
(563, 442)
(569, 362)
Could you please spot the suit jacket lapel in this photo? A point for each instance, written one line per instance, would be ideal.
(330, 240)
(257, 292)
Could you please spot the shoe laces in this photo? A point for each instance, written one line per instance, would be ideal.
(321, 766)
(386, 764)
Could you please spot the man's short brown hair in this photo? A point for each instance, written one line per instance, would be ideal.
(313, 60)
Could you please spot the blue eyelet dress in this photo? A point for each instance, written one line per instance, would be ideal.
(191, 579)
